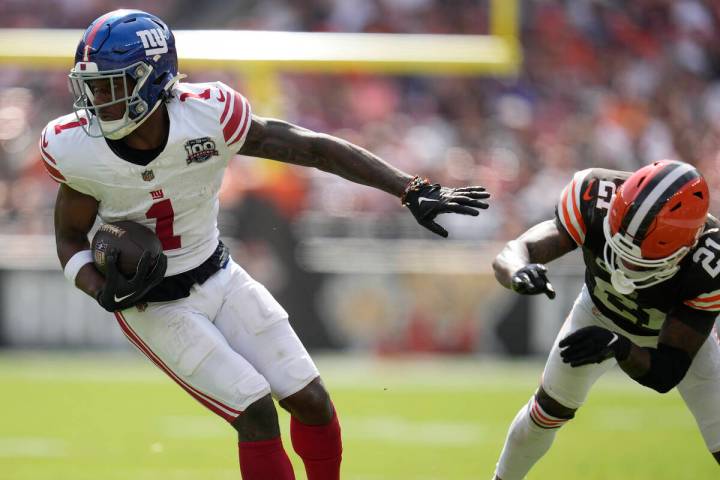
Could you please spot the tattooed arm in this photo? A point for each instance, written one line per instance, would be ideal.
(541, 244)
(284, 142)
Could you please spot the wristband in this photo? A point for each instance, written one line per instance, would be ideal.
(76, 262)
(413, 186)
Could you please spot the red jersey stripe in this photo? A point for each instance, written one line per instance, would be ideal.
(205, 95)
(52, 171)
(245, 124)
(226, 109)
(235, 118)
(47, 156)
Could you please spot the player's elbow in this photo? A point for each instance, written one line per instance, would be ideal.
(663, 387)
(668, 366)
(501, 272)
(496, 265)
(506, 262)
(660, 385)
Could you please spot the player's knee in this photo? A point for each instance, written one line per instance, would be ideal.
(311, 405)
(550, 406)
(258, 422)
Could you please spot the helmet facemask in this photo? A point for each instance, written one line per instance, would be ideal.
(134, 52)
(629, 271)
(136, 110)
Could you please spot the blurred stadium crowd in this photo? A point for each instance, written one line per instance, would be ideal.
(604, 83)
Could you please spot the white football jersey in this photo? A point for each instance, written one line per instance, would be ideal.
(175, 195)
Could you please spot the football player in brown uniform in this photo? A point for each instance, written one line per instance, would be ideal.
(649, 301)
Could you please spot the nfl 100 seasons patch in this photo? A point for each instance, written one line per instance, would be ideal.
(200, 149)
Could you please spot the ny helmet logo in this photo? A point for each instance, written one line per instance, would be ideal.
(153, 40)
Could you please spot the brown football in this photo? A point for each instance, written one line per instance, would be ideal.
(131, 239)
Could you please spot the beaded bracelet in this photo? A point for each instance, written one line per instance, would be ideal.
(413, 186)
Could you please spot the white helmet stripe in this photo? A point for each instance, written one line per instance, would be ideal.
(654, 195)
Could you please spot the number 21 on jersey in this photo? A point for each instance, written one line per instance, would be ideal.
(164, 216)
(707, 257)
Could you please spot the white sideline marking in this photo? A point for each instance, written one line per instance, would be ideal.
(31, 447)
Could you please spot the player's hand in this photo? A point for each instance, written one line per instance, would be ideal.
(532, 280)
(119, 293)
(426, 201)
(593, 345)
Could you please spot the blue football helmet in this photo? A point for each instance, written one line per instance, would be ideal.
(134, 53)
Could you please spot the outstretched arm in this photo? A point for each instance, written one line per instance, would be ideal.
(519, 266)
(284, 142)
(683, 333)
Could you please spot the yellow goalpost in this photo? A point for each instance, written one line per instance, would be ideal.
(261, 55)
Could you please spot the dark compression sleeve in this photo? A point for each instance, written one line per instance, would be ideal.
(668, 366)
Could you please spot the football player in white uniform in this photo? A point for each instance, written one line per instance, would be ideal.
(143, 147)
(649, 303)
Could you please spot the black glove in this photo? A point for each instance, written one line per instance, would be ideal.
(593, 345)
(119, 293)
(427, 201)
(532, 280)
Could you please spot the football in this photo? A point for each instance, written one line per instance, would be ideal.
(131, 239)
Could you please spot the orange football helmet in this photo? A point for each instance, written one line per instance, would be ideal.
(654, 220)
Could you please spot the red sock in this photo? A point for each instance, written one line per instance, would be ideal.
(265, 460)
(320, 448)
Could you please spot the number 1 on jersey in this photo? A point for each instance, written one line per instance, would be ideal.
(165, 216)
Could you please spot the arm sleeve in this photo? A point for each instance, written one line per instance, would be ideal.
(569, 208)
(668, 366)
(669, 363)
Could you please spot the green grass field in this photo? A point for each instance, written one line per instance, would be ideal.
(104, 417)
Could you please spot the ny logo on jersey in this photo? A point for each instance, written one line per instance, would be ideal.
(200, 150)
(153, 40)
